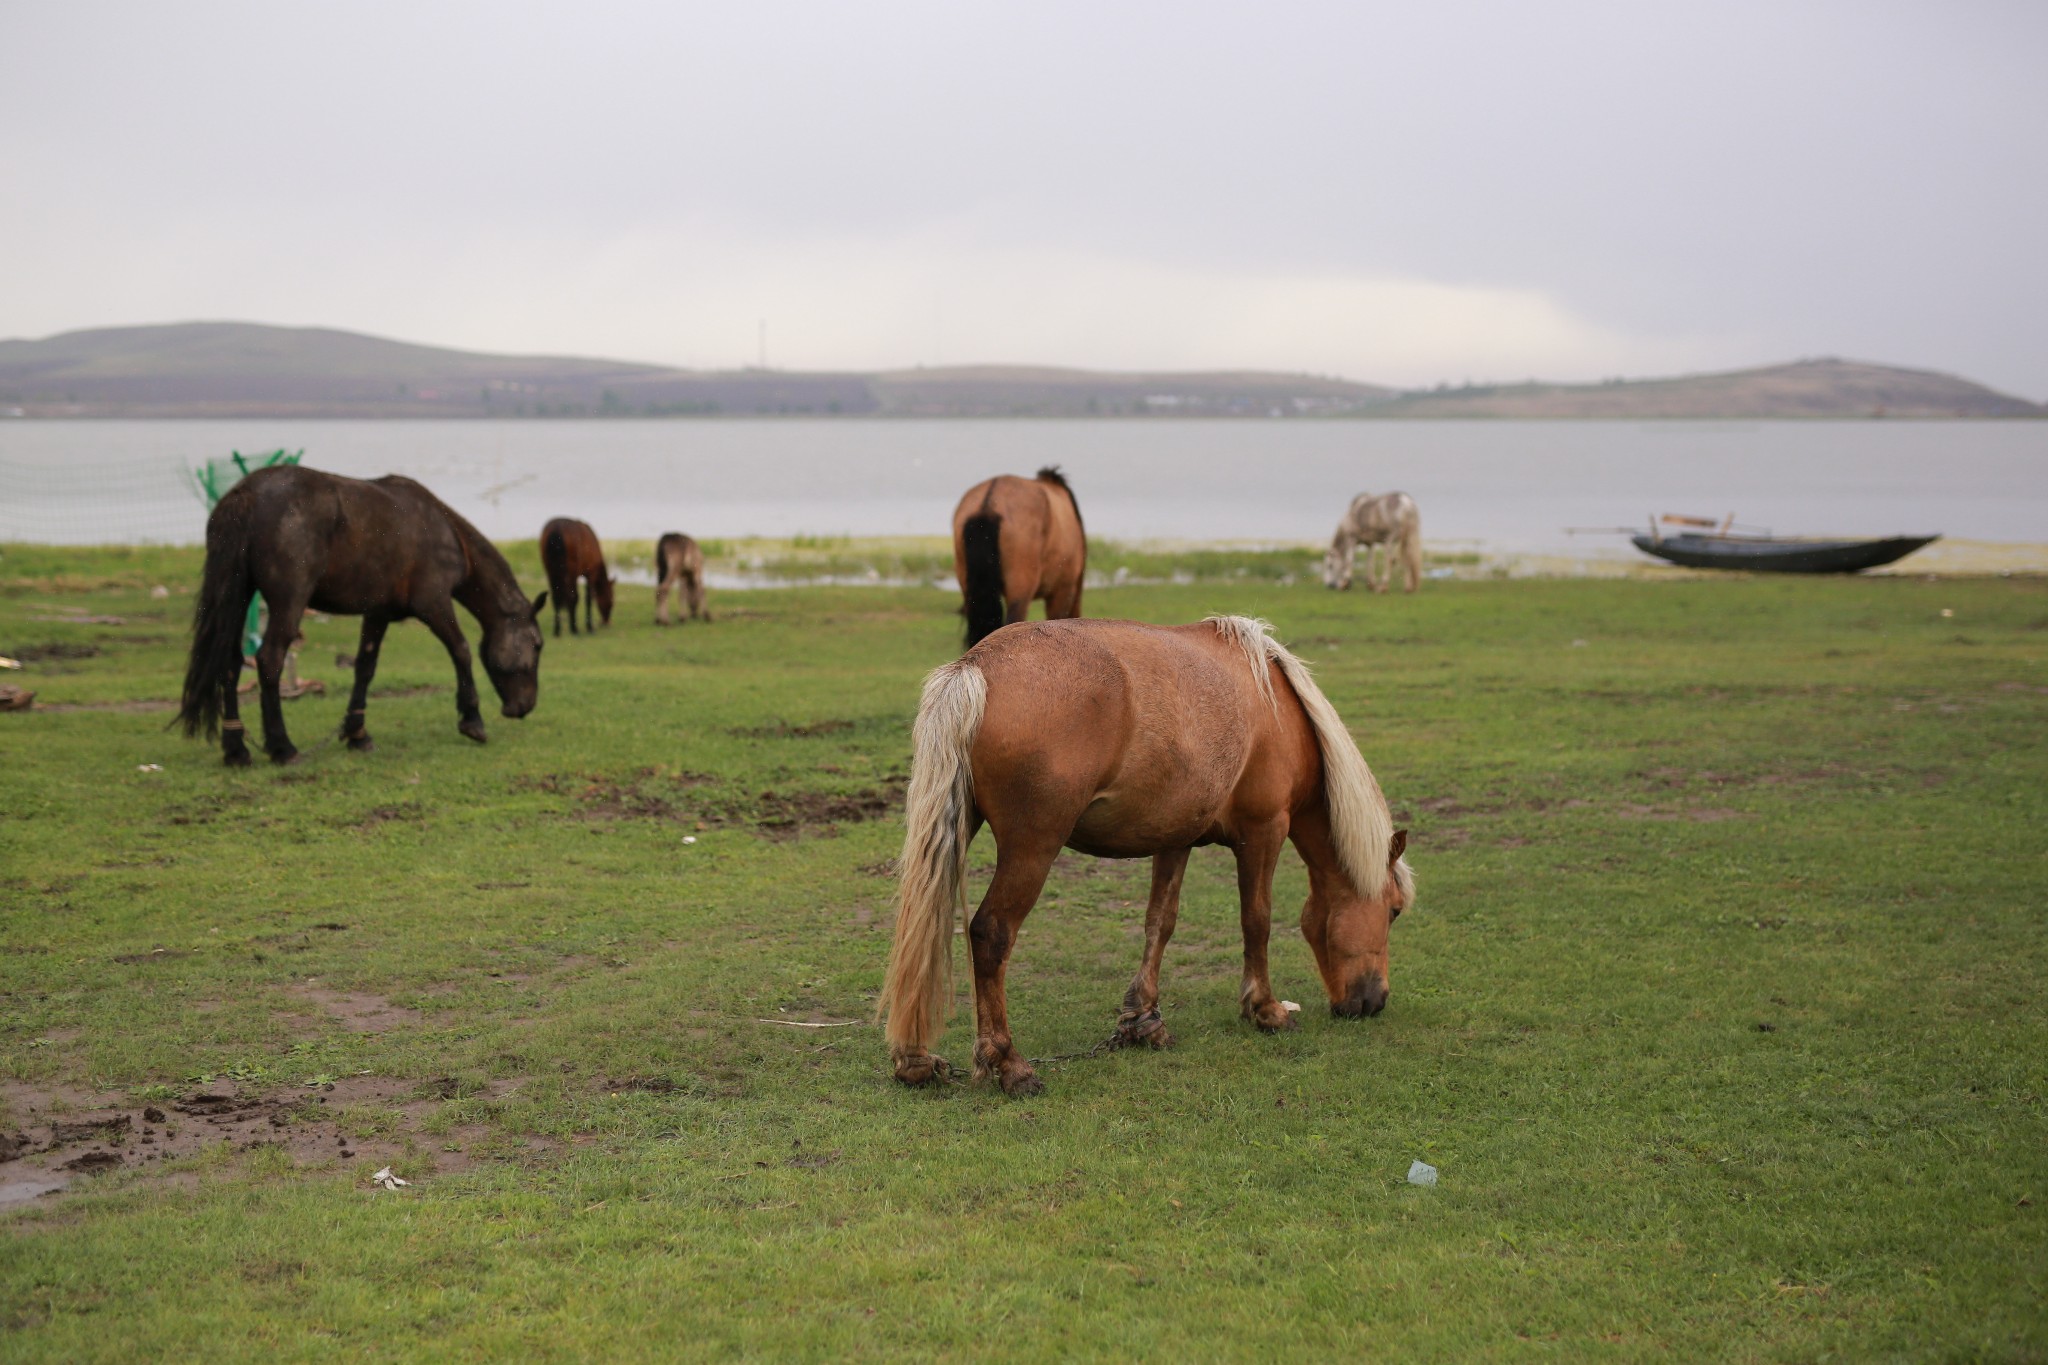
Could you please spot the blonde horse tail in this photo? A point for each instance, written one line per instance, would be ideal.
(932, 873)
(1361, 827)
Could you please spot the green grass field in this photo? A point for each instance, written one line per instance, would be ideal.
(1720, 1014)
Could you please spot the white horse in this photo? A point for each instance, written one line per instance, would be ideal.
(1389, 521)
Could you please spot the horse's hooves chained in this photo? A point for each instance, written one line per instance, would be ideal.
(924, 1069)
(473, 729)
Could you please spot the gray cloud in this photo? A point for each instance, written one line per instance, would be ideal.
(1404, 194)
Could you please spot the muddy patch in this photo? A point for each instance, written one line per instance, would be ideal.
(153, 955)
(57, 1141)
(694, 801)
(1702, 815)
(356, 1011)
(133, 708)
(396, 813)
(55, 651)
(784, 730)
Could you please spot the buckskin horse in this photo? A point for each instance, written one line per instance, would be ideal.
(679, 565)
(1125, 740)
(569, 551)
(382, 549)
(1016, 540)
(1389, 521)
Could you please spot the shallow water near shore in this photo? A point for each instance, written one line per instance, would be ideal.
(1503, 488)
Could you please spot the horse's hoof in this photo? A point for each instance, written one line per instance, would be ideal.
(1022, 1083)
(473, 729)
(1148, 1030)
(923, 1069)
(237, 759)
(362, 744)
(286, 758)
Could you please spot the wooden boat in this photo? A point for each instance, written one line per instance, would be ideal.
(1720, 545)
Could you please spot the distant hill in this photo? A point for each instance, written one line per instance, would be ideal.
(238, 369)
(1805, 388)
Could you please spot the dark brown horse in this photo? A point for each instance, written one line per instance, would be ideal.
(1016, 540)
(569, 551)
(1126, 741)
(383, 549)
(679, 565)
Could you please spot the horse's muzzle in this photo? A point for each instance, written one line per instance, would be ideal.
(517, 710)
(1367, 997)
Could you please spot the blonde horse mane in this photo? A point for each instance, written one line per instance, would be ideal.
(1361, 826)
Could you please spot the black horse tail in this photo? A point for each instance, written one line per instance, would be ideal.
(554, 553)
(981, 542)
(217, 620)
(661, 561)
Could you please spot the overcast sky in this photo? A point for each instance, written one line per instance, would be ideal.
(1405, 194)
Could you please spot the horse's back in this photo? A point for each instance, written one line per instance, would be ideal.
(1147, 732)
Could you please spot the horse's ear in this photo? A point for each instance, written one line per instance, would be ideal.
(1397, 847)
(539, 603)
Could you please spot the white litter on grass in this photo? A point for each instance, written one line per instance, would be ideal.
(1290, 1007)
(1422, 1173)
(159, 592)
(392, 1182)
(6, 662)
(149, 767)
(689, 838)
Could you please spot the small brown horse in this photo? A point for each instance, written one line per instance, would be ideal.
(1125, 740)
(1016, 540)
(569, 551)
(679, 565)
(382, 549)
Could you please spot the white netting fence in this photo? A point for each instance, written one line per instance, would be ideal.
(120, 502)
(124, 502)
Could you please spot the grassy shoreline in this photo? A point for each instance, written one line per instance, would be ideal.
(1720, 1013)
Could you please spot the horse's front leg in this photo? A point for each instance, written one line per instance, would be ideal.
(1020, 876)
(1257, 855)
(270, 662)
(1138, 1021)
(1379, 566)
(352, 728)
(441, 620)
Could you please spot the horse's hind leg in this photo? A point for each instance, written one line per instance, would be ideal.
(352, 728)
(1138, 1021)
(661, 600)
(1020, 876)
(234, 738)
(1257, 855)
(270, 662)
(696, 586)
(589, 606)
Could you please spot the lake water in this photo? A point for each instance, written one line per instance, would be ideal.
(1499, 486)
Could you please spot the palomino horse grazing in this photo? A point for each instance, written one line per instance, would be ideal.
(1125, 740)
(569, 551)
(679, 565)
(384, 550)
(1015, 540)
(1389, 521)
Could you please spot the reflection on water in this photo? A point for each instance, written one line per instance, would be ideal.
(1497, 486)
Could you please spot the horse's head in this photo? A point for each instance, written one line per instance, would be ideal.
(602, 591)
(1349, 933)
(511, 653)
(1336, 567)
